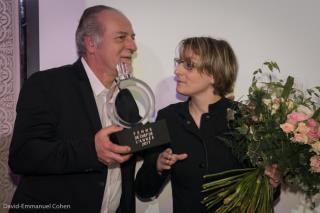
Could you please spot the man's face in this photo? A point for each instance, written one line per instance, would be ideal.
(117, 43)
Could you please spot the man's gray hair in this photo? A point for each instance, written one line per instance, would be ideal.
(89, 26)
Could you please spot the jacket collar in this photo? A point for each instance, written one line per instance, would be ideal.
(183, 107)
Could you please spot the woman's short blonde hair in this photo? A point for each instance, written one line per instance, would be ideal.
(216, 58)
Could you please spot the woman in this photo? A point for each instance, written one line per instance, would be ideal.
(205, 71)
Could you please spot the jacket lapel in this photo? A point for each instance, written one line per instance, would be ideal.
(87, 96)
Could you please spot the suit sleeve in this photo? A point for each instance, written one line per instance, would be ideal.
(36, 149)
(149, 182)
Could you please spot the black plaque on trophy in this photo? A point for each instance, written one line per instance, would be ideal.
(144, 136)
(130, 104)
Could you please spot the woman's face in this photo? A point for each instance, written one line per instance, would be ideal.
(190, 81)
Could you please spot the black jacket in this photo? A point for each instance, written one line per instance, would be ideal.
(206, 154)
(53, 146)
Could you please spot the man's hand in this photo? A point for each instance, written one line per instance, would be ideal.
(109, 153)
(166, 159)
(273, 173)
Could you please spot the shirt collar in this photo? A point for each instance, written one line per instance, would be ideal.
(95, 83)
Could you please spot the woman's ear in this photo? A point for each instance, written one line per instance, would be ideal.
(212, 80)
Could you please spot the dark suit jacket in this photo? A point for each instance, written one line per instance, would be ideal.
(53, 146)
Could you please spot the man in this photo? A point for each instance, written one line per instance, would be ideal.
(66, 158)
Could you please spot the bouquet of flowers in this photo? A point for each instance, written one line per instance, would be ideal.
(277, 124)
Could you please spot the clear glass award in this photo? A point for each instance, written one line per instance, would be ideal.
(131, 104)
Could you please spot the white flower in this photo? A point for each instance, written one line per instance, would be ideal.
(290, 104)
(305, 110)
(316, 147)
(230, 114)
(267, 101)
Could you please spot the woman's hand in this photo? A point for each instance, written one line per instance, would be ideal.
(166, 159)
(273, 173)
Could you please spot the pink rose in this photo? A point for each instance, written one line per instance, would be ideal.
(313, 134)
(315, 163)
(277, 100)
(301, 138)
(287, 127)
(312, 123)
(296, 117)
(302, 128)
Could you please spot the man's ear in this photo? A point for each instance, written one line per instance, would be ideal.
(90, 44)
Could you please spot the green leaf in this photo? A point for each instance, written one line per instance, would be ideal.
(275, 65)
(316, 114)
(309, 91)
(272, 65)
(287, 88)
(243, 129)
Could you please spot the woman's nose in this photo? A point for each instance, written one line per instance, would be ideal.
(178, 70)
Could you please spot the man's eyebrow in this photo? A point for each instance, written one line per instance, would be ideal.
(124, 33)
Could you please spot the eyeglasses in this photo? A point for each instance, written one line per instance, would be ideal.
(188, 65)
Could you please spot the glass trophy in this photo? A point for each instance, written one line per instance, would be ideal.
(131, 104)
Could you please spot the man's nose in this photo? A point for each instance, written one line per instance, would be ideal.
(131, 45)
